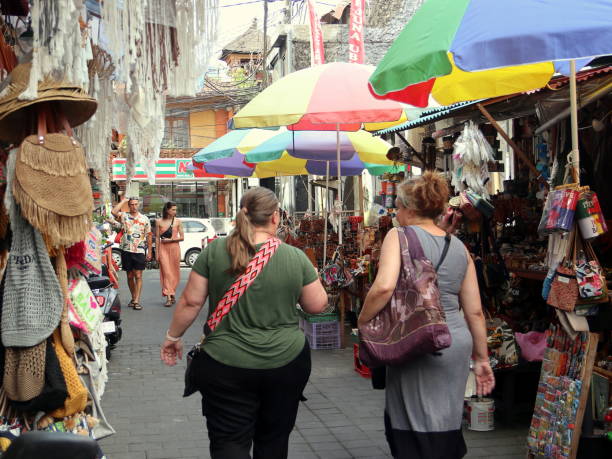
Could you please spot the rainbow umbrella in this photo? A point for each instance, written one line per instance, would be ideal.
(241, 140)
(321, 98)
(322, 146)
(458, 50)
(237, 165)
(470, 49)
(326, 97)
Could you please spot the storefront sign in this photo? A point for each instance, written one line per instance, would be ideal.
(356, 44)
(317, 53)
(165, 169)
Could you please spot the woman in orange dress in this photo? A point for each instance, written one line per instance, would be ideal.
(169, 235)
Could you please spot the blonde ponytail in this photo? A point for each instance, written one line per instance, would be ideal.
(256, 207)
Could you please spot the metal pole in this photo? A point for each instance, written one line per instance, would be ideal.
(326, 213)
(265, 44)
(574, 119)
(339, 182)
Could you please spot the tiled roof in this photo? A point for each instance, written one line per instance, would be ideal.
(249, 42)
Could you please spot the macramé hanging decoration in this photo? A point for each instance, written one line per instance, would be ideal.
(147, 38)
(61, 48)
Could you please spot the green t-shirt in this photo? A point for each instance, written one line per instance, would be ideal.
(261, 331)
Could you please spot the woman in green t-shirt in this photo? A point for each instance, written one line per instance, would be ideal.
(256, 363)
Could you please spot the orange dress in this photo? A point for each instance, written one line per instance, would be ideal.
(169, 262)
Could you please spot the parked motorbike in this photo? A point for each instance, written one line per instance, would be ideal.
(105, 288)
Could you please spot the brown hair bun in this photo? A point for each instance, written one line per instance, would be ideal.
(426, 195)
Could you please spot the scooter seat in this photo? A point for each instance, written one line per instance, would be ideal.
(52, 445)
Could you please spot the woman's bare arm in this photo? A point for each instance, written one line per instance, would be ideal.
(469, 296)
(386, 279)
(313, 299)
(189, 305)
(181, 233)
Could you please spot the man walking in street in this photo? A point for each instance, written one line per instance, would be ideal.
(134, 253)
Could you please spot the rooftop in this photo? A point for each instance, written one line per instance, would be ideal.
(249, 42)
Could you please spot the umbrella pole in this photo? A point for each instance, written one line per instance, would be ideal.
(339, 183)
(326, 213)
(574, 121)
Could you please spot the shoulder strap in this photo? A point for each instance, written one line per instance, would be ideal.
(242, 283)
(447, 241)
(414, 245)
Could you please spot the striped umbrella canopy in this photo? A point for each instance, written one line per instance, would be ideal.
(240, 140)
(459, 50)
(325, 97)
(322, 146)
(237, 166)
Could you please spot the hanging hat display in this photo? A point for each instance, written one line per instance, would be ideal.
(16, 113)
(32, 299)
(52, 186)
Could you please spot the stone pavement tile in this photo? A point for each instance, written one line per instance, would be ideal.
(356, 444)
(320, 438)
(368, 451)
(138, 455)
(334, 454)
(309, 431)
(326, 446)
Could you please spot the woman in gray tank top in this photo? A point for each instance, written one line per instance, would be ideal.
(424, 397)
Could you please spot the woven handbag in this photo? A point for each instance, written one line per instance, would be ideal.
(413, 323)
(228, 301)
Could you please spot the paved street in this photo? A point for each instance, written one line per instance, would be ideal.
(341, 419)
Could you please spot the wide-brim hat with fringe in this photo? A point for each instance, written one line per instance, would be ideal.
(52, 188)
(17, 114)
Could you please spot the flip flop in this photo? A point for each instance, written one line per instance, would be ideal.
(137, 306)
(131, 304)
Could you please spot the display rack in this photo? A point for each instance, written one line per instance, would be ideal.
(563, 393)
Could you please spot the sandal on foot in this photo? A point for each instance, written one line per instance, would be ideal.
(172, 299)
(130, 304)
(168, 303)
(137, 306)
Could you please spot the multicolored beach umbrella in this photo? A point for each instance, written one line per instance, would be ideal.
(459, 50)
(325, 97)
(286, 165)
(241, 141)
(322, 146)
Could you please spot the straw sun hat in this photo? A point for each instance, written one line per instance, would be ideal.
(18, 116)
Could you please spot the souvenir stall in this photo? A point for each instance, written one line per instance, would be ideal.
(79, 66)
(534, 249)
(54, 357)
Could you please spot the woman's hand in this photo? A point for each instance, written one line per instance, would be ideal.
(485, 380)
(450, 220)
(171, 351)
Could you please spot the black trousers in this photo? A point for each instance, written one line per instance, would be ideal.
(245, 407)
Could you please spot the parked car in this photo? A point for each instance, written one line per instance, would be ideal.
(198, 232)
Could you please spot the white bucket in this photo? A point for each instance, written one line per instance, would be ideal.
(480, 413)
